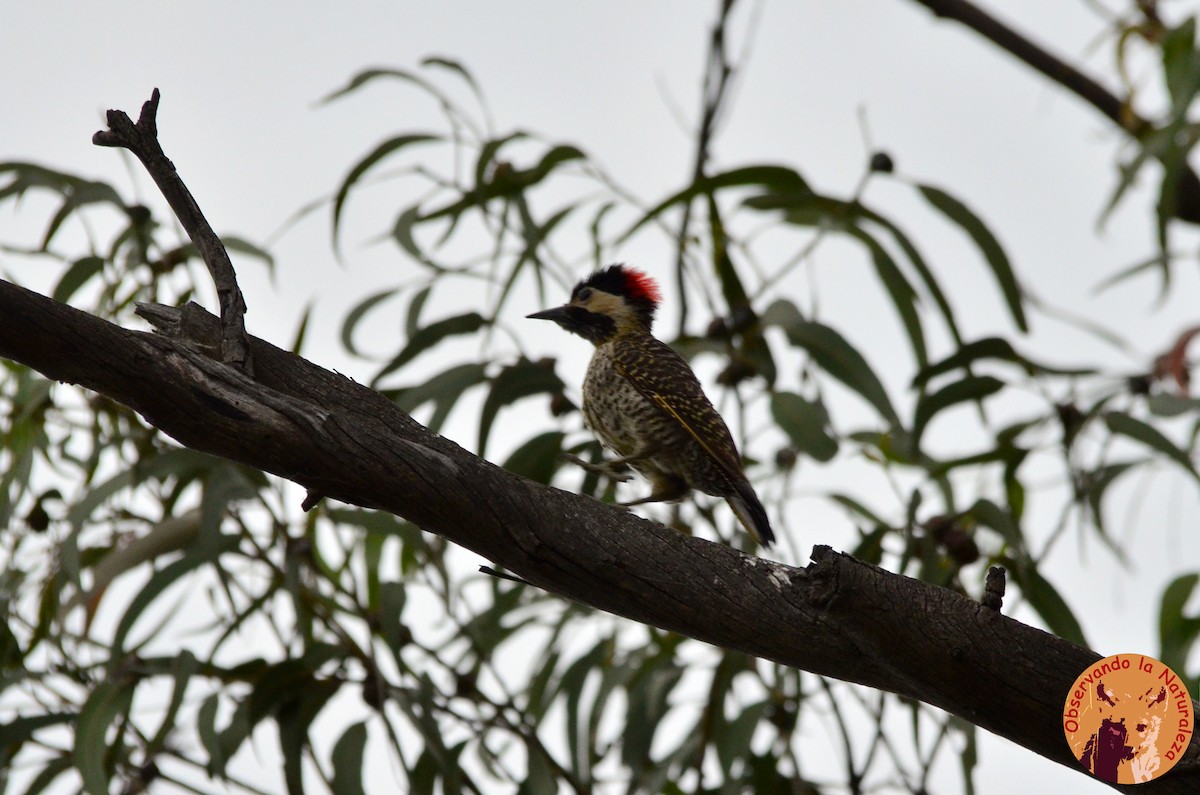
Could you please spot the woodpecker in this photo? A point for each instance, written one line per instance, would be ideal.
(646, 405)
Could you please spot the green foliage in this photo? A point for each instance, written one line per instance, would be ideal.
(806, 422)
(163, 606)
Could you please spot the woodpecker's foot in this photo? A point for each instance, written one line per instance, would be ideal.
(667, 488)
(604, 469)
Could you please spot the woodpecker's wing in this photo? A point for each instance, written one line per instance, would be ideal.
(655, 370)
(662, 376)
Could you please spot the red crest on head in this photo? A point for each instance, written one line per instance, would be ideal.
(630, 283)
(638, 285)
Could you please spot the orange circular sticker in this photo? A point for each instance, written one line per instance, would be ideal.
(1128, 719)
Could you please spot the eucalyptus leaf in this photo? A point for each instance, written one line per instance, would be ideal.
(836, 356)
(430, 336)
(1130, 427)
(806, 423)
(990, 247)
(519, 380)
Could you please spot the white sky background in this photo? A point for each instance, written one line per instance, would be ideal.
(239, 119)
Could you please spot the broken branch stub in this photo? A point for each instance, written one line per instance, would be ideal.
(142, 140)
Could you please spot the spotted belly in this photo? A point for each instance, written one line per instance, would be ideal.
(626, 421)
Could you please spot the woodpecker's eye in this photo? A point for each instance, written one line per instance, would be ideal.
(584, 294)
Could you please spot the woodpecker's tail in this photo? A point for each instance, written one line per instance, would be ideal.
(750, 511)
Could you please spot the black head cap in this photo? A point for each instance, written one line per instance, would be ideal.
(639, 290)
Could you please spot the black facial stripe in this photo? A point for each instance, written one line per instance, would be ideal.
(589, 325)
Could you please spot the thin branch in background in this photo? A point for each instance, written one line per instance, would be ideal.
(1077, 321)
(716, 79)
(853, 776)
(1187, 188)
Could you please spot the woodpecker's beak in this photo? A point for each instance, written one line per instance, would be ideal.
(592, 326)
(558, 314)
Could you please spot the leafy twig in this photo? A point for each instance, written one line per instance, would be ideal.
(1187, 189)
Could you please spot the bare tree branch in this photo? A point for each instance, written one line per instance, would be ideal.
(838, 617)
(1187, 189)
(142, 140)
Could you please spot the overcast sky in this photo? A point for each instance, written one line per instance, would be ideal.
(240, 119)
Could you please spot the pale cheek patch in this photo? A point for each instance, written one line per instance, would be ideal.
(611, 305)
